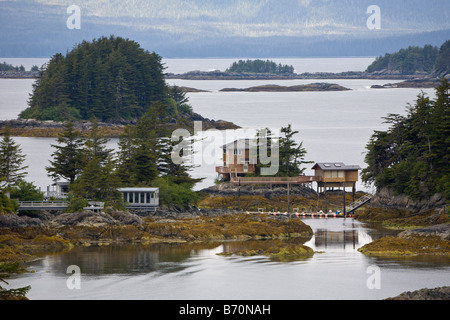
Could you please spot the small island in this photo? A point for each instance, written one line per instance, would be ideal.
(297, 88)
(112, 80)
(260, 66)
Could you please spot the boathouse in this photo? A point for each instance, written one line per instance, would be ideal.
(336, 174)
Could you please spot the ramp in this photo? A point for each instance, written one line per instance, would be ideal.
(359, 203)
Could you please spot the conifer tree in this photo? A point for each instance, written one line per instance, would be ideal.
(412, 156)
(11, 160)
(68, 159)
(97, 180)
(292, 154)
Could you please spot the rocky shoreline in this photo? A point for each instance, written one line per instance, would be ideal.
(434, 240)
(435, 294)
(23, 236)
(36, 128)
(411, 84)
(18, 75)
(220, 75)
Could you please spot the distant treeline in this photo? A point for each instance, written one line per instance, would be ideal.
(9, 67)
(260, 66)
(413, 60)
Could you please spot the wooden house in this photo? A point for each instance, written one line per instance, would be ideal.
(336, 174)
(238, 159)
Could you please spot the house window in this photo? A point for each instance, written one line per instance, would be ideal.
(327, 174)
(334, 174)
(237, 152)
(341, 174)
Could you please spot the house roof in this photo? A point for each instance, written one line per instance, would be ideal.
(138, 189)
(240, 143)
(327, 166)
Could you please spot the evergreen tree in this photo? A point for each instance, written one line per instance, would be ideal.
(111, 79)
(95, 144)
(144, 159)
(138, 150)
(292, 154)
(26, 191)
(412, 156)
(68, 159)
(442, 66)
(11, 160)
(97, 180)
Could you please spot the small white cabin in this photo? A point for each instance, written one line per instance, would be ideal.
(141, 198)
(58, 190)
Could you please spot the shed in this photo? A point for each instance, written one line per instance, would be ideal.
(335, 174)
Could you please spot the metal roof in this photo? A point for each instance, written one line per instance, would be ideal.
(326, 166)
(245, 143)
(138, 189)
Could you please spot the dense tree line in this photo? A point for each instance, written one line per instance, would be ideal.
(111, 79)
(143, 159)
(413, 156)
(442, 66)
(8, 67)
(260, 66)
(428, 59)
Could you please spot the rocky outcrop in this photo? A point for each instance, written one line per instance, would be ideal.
(14, 221)
(441, 231)
(36, 128)
(191, 90)
(18, 74)
(228, 189)
(297, 88)
(432, 240)
(418, 83)
(387, 199)
(442, 293)
(220, 75)
(83, 219)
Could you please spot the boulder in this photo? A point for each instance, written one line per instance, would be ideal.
(14, 221)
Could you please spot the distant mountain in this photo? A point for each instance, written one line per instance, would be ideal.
(232, 28)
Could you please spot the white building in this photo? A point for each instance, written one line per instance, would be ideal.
(141, 198)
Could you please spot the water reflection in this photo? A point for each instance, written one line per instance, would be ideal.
(324, 238)
(132, 259)
(195, 271)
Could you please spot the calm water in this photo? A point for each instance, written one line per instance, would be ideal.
(167, 272)
(334, 126)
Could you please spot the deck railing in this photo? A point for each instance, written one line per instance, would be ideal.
(275, 180)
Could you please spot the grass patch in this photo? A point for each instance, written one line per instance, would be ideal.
(408, 246)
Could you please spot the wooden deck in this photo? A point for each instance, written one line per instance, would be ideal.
(275, 180)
